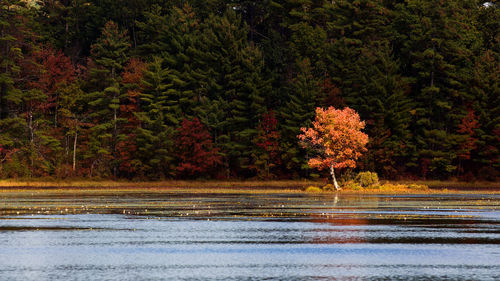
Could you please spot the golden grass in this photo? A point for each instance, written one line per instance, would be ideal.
(250, 187)
(455, 184)
(156, 184)
(419, 187)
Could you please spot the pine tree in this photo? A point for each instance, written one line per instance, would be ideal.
(298, 112)
(240, 84)
(16, 44)
(486, 89)
(310, 42)
(382, 99)
(11, 41)
(75, 121)
(437, 52)
(175, 43)
(155, 135)
(365, 75)
(109, 55)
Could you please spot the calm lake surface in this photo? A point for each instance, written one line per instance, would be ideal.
(162, 235)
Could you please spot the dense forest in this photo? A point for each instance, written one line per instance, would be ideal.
(154, 89)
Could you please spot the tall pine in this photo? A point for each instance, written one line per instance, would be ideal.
(109, 55)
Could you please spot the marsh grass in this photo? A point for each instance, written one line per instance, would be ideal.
(276, 186)
(455, 185)
(288, 184)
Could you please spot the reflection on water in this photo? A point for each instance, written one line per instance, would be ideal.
(175, 236)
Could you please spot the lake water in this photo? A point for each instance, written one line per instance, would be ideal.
(161, 235)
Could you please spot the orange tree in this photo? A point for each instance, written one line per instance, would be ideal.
(337, 139)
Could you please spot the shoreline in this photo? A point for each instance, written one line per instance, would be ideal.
(286, 186)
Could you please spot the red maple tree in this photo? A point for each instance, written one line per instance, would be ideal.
(126, 147)
(467, 128)
(195, 150)
(337, 138)
(53, 70)
(267, 140)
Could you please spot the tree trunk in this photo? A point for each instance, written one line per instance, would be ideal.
(3, 89)
(66, 35)
(55, 110)
(115, 132)
(30, 125)
(332, 173)
(74, 151)
(433, 63)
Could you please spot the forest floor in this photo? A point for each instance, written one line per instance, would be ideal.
(270, 186)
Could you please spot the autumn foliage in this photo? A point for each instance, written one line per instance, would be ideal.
(195, 150)
(126, 147)
(337, 138)
(267, 141)
(100, 88)
(467, 128)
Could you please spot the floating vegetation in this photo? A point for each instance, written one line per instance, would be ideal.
(89, 232)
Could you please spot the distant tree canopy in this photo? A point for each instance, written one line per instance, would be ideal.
(155, 89)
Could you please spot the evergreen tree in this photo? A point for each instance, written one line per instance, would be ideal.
(298, 112)
(438, 53)
(15, 46)
(109, 55)
(75, 121)
(382, 99)
(369, 80)
(11, 41)
(155, 134)
(237, 67)
(175, 43)
(487, 21)
(486, 89)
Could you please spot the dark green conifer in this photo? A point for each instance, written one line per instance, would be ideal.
(109, 54)
(158, 120)
(438, 41)
(297, 112)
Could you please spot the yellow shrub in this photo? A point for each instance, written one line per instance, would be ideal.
(367, 179)
(313, 189)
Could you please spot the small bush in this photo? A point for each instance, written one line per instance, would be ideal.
(313, 189)
(488, 173)
(418, 186)
(398, 187)
(367, 179)
(346, 176)
(328, 187)
(373, 186)
(14, 168)
(352, 185)
(314, 175)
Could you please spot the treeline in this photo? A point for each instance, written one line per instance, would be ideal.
(154, 89)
